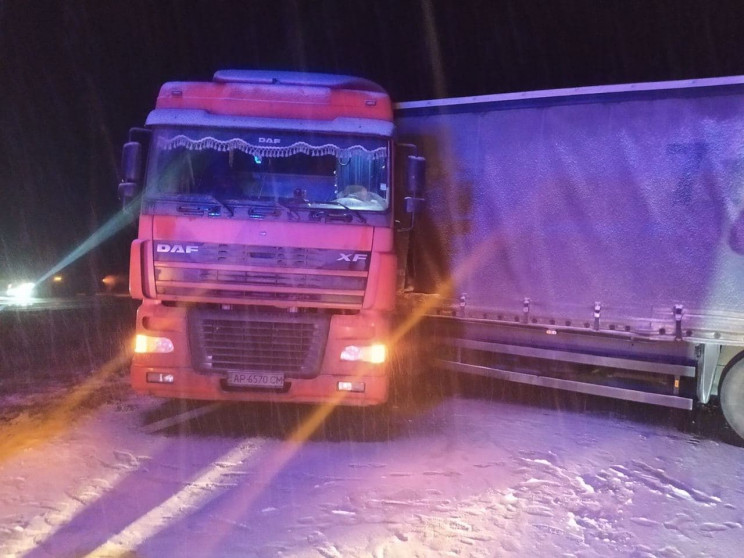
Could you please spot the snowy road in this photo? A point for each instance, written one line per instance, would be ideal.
(460, 476)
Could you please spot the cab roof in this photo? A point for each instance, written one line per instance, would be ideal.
(278, 94)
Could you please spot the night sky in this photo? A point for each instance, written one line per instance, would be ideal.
(74, 76)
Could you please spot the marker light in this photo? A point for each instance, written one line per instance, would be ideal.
(148, 344)
(160, 378)
(375, 354)
(350, 386)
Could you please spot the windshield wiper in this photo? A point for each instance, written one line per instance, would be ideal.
(223, 204)
(354, 212)
(259, 209)
(290, 205)
(193, 207)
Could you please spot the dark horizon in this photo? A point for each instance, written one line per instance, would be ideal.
(77, 75)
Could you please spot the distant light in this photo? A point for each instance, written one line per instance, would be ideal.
(113, 282)
(58, 279)
(22, 293)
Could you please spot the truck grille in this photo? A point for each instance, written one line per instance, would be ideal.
(286, 276)
(263, 342)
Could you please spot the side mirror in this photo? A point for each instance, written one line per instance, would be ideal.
(131, 162)
(415, 183)
(131, 172)
(413, 205)
(127, 192)
(415, 175)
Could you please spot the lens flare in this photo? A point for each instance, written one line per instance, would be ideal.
(106, 231)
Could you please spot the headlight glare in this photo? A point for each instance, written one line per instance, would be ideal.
(150, 344)
(374, 354)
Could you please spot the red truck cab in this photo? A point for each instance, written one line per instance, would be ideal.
(265, 258)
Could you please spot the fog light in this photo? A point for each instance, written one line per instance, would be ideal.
(351, 386)
(160, 378)
(147, 344)
(375, 354)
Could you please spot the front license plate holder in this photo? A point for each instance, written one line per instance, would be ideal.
(266, 380)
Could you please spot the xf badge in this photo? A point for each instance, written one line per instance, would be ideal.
(353, 257)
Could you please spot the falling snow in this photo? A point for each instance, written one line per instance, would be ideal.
(459, 475)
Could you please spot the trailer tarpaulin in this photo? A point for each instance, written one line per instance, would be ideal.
(631, 200)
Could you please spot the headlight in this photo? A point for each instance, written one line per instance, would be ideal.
(148, 344)
(375, 354)
(21, 293)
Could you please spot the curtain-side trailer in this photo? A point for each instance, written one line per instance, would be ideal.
(588, 239)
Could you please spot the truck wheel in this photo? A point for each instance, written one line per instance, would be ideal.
(731, 395)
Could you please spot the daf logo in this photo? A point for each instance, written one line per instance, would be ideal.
(269, 140)
(353, 257)
(176, 248)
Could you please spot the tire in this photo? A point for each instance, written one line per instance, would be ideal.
(731, 396)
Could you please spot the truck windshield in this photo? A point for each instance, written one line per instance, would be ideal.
(249, 166)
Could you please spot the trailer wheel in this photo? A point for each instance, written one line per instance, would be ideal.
(731, 396)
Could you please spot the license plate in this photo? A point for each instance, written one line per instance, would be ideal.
(269, 380)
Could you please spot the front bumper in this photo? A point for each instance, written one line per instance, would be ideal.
(195, 376)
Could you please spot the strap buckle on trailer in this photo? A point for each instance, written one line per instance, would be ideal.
(678, 309)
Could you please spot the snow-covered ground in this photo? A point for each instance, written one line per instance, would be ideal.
(466, 475)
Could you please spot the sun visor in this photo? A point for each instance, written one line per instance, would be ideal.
(197, 117)
(342, 147)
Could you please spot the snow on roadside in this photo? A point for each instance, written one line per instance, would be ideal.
(463, 478)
